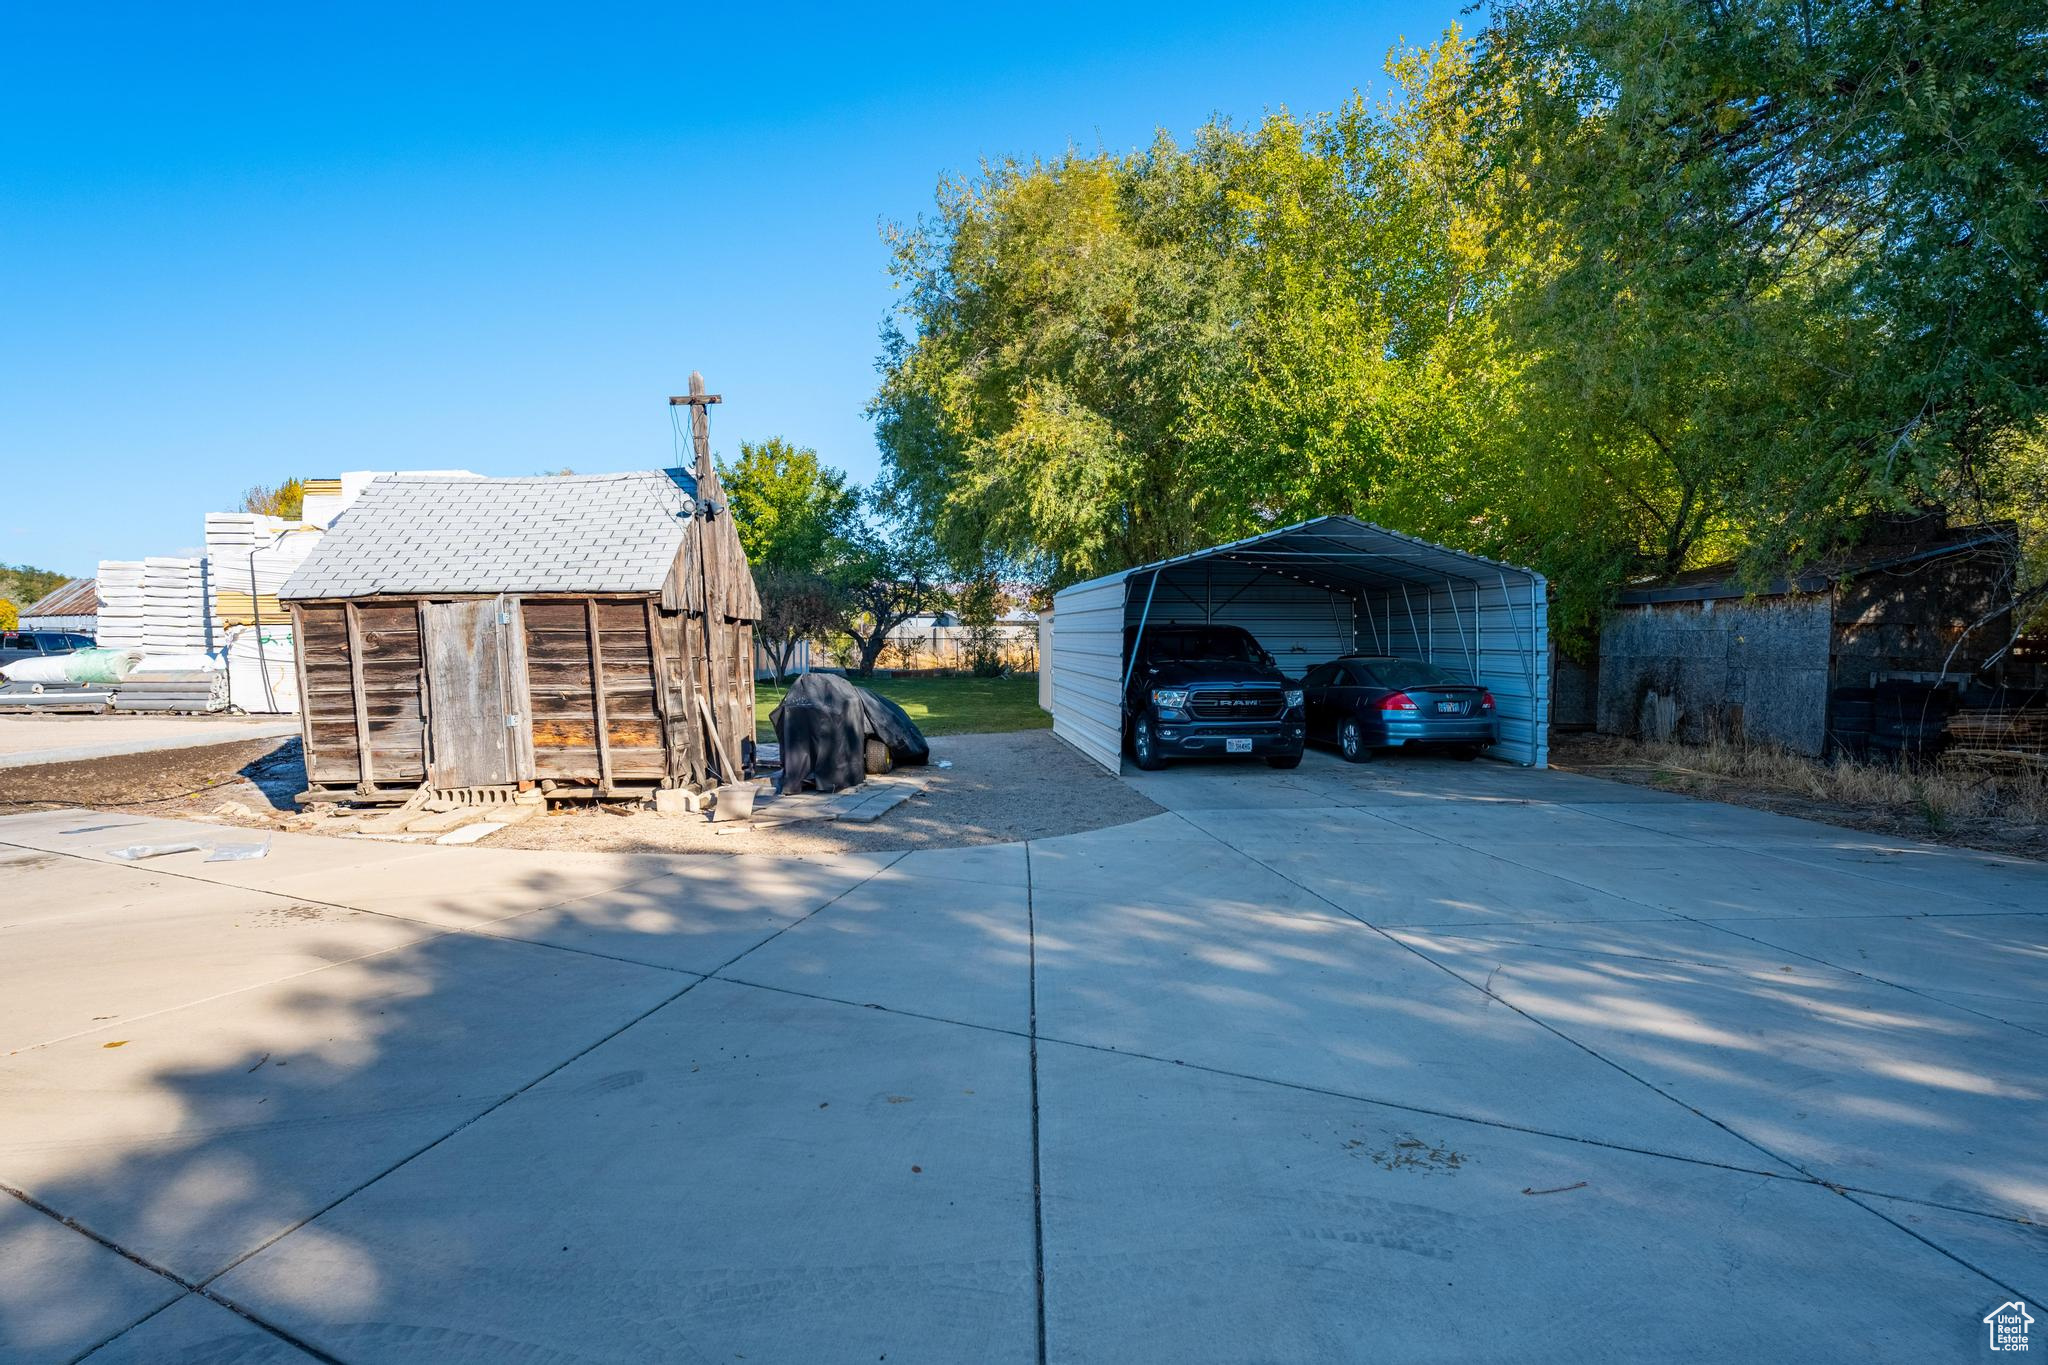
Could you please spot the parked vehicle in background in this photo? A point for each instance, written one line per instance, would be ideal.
(1364, 702)
(1208, 691)
(16, 645)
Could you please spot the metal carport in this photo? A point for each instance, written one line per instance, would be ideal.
(1311, 592)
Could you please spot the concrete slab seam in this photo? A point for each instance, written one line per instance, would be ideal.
(1665, 916)
(163, 1272)
(1717, 966)
(440, 931)
(501, 1102)
(1596, 1054)
(1754, 851)
(1791, 1177)
(1895, 985)
(1037, 1163)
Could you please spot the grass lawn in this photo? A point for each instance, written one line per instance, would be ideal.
(940, 706)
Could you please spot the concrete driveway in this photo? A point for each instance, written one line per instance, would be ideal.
(1420, 1060)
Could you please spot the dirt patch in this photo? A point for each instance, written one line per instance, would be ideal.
(1000, 789)
(1408, 1153)
(264, 773)
(1958, 810)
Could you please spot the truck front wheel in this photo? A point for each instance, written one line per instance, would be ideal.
(1144, 747)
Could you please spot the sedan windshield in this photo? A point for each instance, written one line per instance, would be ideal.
(1405, 673)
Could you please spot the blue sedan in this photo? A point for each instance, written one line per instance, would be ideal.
(1364, 702)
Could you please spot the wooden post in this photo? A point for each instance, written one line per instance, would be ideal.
(725, 760)
(604, 736)
(715, 682)
(366, 777)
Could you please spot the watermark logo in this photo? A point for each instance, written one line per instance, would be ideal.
(2008, 1324)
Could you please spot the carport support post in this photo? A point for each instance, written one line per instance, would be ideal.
(1131, 664)
(1471, 664)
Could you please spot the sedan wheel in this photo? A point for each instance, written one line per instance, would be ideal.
(1352, 743)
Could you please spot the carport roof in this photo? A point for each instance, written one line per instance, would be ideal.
(1342, 553)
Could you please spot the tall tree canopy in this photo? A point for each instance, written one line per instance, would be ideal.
(1618, 287)
(286, 500)
(792, 511)
(1800, 254)
(1114, 358)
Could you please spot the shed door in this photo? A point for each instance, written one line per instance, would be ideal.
(476, 676)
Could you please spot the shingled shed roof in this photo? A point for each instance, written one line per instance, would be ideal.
(571, 534)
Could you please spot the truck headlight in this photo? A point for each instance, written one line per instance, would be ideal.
(1292, 696)
(1170, 698)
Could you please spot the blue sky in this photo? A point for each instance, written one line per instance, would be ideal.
(244, 242)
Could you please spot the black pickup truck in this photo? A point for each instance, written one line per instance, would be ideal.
(1203, 691)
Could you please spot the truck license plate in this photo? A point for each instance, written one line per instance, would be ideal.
(1237, 746)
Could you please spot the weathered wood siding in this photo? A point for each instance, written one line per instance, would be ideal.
(382, 649)
(604, 691)
(567, 701)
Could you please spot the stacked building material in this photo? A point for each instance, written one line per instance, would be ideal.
(1999, 737)
(189, 690)
(119, 588)
(175, 615)
(249, 557)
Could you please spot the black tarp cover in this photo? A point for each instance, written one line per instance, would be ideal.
(823, 725)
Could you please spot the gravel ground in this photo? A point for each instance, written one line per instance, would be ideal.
(1001, 788)
(1622, 760)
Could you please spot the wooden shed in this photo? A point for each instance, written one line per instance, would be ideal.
(588, 633)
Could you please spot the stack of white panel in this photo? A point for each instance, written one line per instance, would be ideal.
(119, 587)
(176, 611)
(249, 557)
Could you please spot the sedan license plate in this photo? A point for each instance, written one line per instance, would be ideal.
(1450, 707)
(1237, 746)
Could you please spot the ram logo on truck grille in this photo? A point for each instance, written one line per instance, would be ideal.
(1235, 705)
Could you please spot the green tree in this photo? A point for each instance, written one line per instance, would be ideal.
(23, 584)
(795, 517)
(889, 574)
(792, 511)
(1061, 314)
(1105, 359)
(980, 603)
(1618, 288)
(1800, 258)
(795, 607)
(286, 500)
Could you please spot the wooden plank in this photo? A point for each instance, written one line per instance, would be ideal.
(552, 615)
(604, 744)
(512, 640)
(683, 680)
(656, 656)
(306, 751)
(365, 763)
(560, 732)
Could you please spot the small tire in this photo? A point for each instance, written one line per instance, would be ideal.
(1283, 760)
(875, 758)
(1144, 748)
(1351, 743)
